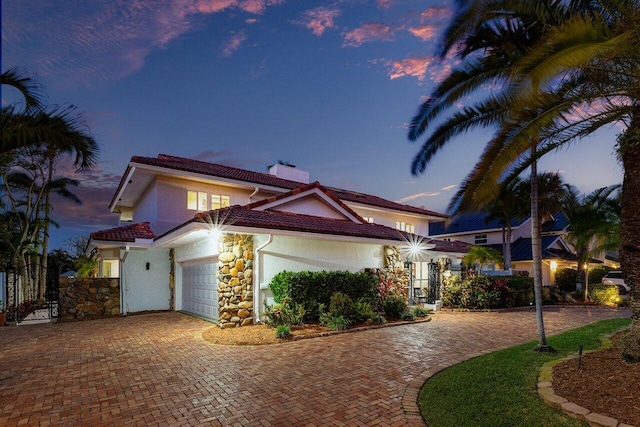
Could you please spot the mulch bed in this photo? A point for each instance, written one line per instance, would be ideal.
(605, 384)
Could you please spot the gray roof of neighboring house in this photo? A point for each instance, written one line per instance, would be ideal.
(478, 222)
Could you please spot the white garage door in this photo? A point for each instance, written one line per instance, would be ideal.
(199, 289)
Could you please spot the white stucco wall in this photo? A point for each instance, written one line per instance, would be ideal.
(297, 254)
(146, 289)
(310, 206)
(146, 208)
(421, 225)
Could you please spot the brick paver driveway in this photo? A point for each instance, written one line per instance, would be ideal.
(155, 369)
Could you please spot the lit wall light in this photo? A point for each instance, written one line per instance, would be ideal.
(554, 265)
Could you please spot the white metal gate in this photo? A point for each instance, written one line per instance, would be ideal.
(199, 289)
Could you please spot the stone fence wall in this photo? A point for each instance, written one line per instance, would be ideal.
(83, 299)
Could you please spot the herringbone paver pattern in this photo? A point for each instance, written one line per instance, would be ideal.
(156, 370)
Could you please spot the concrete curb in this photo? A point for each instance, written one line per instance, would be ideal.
(546, 392)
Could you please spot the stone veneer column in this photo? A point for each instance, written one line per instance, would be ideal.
(235, 280)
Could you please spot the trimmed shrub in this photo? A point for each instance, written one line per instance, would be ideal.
(394, 305)
(420, 312)
(604, 294)
(484, 292)
(379, 319)
(407, 315)
(285, 313)
(338, 323)
(566, 279)
(283, 332)
(522, 290)
(311, 289)
(597, 273)
(363, 311)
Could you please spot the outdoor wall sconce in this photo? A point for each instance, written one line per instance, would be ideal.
(148, 265)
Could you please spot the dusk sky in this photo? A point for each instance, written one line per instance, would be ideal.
(328, 86)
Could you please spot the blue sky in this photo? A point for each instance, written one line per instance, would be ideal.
(329, 86)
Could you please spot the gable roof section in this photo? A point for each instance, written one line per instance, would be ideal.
(559, 223)
(449, 246)
(521, 249)
(242, 216)
(213, 169)
(368, 199)
(259, 178)
(468, 223)
(127, 233)
(314, 188)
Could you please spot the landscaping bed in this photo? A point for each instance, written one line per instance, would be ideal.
(605, 384)
(264, 335)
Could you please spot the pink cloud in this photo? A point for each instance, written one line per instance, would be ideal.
(384, 4)
(436, 13)
(319, 19)
(233, 43)
(411, 67)
(424, 32)
(108, 41)
(368, 33)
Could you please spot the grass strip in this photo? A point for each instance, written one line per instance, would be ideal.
(499, 389)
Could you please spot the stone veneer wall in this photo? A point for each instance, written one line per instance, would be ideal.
(88, 298)
(235, 280)
(393, 271)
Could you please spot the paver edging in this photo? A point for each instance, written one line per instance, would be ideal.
(547, 394)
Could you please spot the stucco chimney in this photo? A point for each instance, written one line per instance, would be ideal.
(289, 172)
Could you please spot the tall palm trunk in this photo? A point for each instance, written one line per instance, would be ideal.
(47, 215)
(536, 251)
(630, 231)
(506, 241)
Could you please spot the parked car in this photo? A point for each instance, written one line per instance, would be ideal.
(615, 278)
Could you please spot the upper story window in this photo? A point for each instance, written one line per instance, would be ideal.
(405, 226)
(480, 239)
(369, 219)
(218, 201)
(199, 201)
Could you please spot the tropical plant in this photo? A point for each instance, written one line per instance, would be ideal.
(491, 38)
(62, 129)
(593, 226)
(481, 255)
(511, 204)
(394, 306)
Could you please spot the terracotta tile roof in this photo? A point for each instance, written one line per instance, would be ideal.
(368, 199)
(302, 190)
(127, 233)
(449, 246)
(241, 216)
(206, 168)
(222, 171)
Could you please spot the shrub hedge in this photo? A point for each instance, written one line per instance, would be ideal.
(484, 292)
(313, 289)
(604, 294)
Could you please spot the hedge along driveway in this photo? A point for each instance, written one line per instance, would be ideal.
(155, 369)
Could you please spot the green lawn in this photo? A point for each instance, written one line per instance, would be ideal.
(499, 389)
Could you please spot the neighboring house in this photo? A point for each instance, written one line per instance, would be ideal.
(475, 229)
(207, 238)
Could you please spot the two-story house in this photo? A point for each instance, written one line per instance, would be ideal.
(207, 239)
(479, 229)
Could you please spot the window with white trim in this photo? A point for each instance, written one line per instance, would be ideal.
(369, 219)
(219, 201)
(199, 201)
(480, 239)
(405, 226)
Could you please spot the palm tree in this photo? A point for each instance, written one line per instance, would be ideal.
(508, 206)
(481, 255)
(62, 128)
(582, 75)
(490, 43)
(593, 226)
